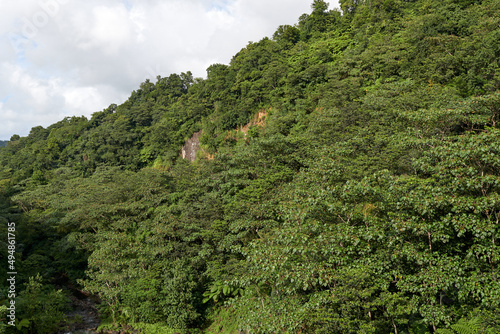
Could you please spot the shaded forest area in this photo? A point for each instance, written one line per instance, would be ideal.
(366, 199)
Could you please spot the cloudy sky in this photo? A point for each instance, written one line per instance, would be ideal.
(62, 58)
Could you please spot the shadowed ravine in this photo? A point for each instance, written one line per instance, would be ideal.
(83, 317)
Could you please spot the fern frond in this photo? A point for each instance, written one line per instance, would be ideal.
(464, 326)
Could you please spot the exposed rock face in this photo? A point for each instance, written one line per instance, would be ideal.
(191, 146)
(259, 120)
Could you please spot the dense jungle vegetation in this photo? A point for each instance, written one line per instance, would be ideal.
(348, 182)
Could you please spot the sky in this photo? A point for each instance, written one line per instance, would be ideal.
(62, 58)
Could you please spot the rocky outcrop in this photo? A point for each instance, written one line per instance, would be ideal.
(191, 147)
(258, 120)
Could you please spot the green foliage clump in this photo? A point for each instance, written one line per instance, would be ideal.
(40, 308)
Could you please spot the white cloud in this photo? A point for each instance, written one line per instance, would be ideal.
(66, 57)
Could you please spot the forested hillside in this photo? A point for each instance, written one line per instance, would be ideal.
(348, 181)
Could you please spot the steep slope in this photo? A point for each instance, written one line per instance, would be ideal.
(350, 183)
